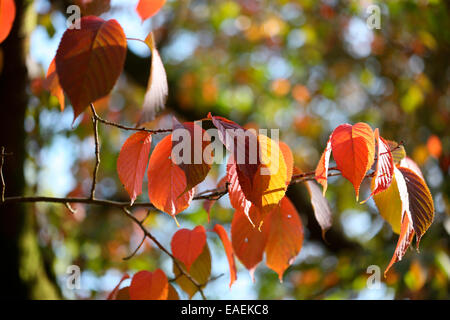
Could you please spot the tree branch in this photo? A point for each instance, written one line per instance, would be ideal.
(97, 150)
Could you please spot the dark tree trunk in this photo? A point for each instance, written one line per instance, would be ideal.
(23, 272)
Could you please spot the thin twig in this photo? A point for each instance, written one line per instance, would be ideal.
(162, 248)
(69, 207)
(97, 150)
(137, 249)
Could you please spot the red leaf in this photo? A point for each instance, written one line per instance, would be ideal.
(113, 294)
(241, 143)
(238, 199)
(322, 167)
(187, 245)
(147, 285)
(7, 15)
(404, 240)
(148, 8)
(248, 242)
(285, 237)
(353, 150)
(189, 152)
(51, 83)
(166, 181)
(90, 60)
(384, 171)
(228, 250)
(132, 162)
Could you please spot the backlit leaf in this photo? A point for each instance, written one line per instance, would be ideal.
(147, 285)
(228, 250)
(189, 152)
(353, 150)
(90, 60)
(248, 242)
(321, 207)
(7, 15)
(322, 167)
(51, 83)
(384, 170)
(113, 294)
(420, 202)
(93, 7)
(200, 271)
(148, 8)
(238, 199)
(173, 294)
(157, 87)
(166, 181)
(409, 163)
(187, 245)
(285, 237)
(288, 160)
(389, 205)
(132, 162)
(404, 240)
(397, 150)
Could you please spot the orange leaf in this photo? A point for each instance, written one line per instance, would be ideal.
(288, 159)
(148, 8)
(322, 167)
(147, 285)
(207, 204)
(132, 162)
(353, 150)
(228, 250)
(384, 171)
(248, 242)
(7, 15)
(285, 237)
(166, 181)
(113, 294)
(90, 60)
(51, 83)
(187, 245)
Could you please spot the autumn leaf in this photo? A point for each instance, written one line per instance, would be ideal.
(189, 152)
(113, 294)
(241, 143)
(321, 207)
(173, 294)
(353, 150)
(7, 15)
(419, 201)
(285, 237)
(409, 163)
(167, 181)
(404, 240)
(269, 183)
(147, 285)
(148, 8)
(187, 245)
(248, 241)
(200, 271)
(228, 250)
(237, 197)
(132, 162)
(51, 83)
(397, 150)
(321, 173)
(384, 170)
(157, 87)
(389, 205)
(288, 160)
(90, 60)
